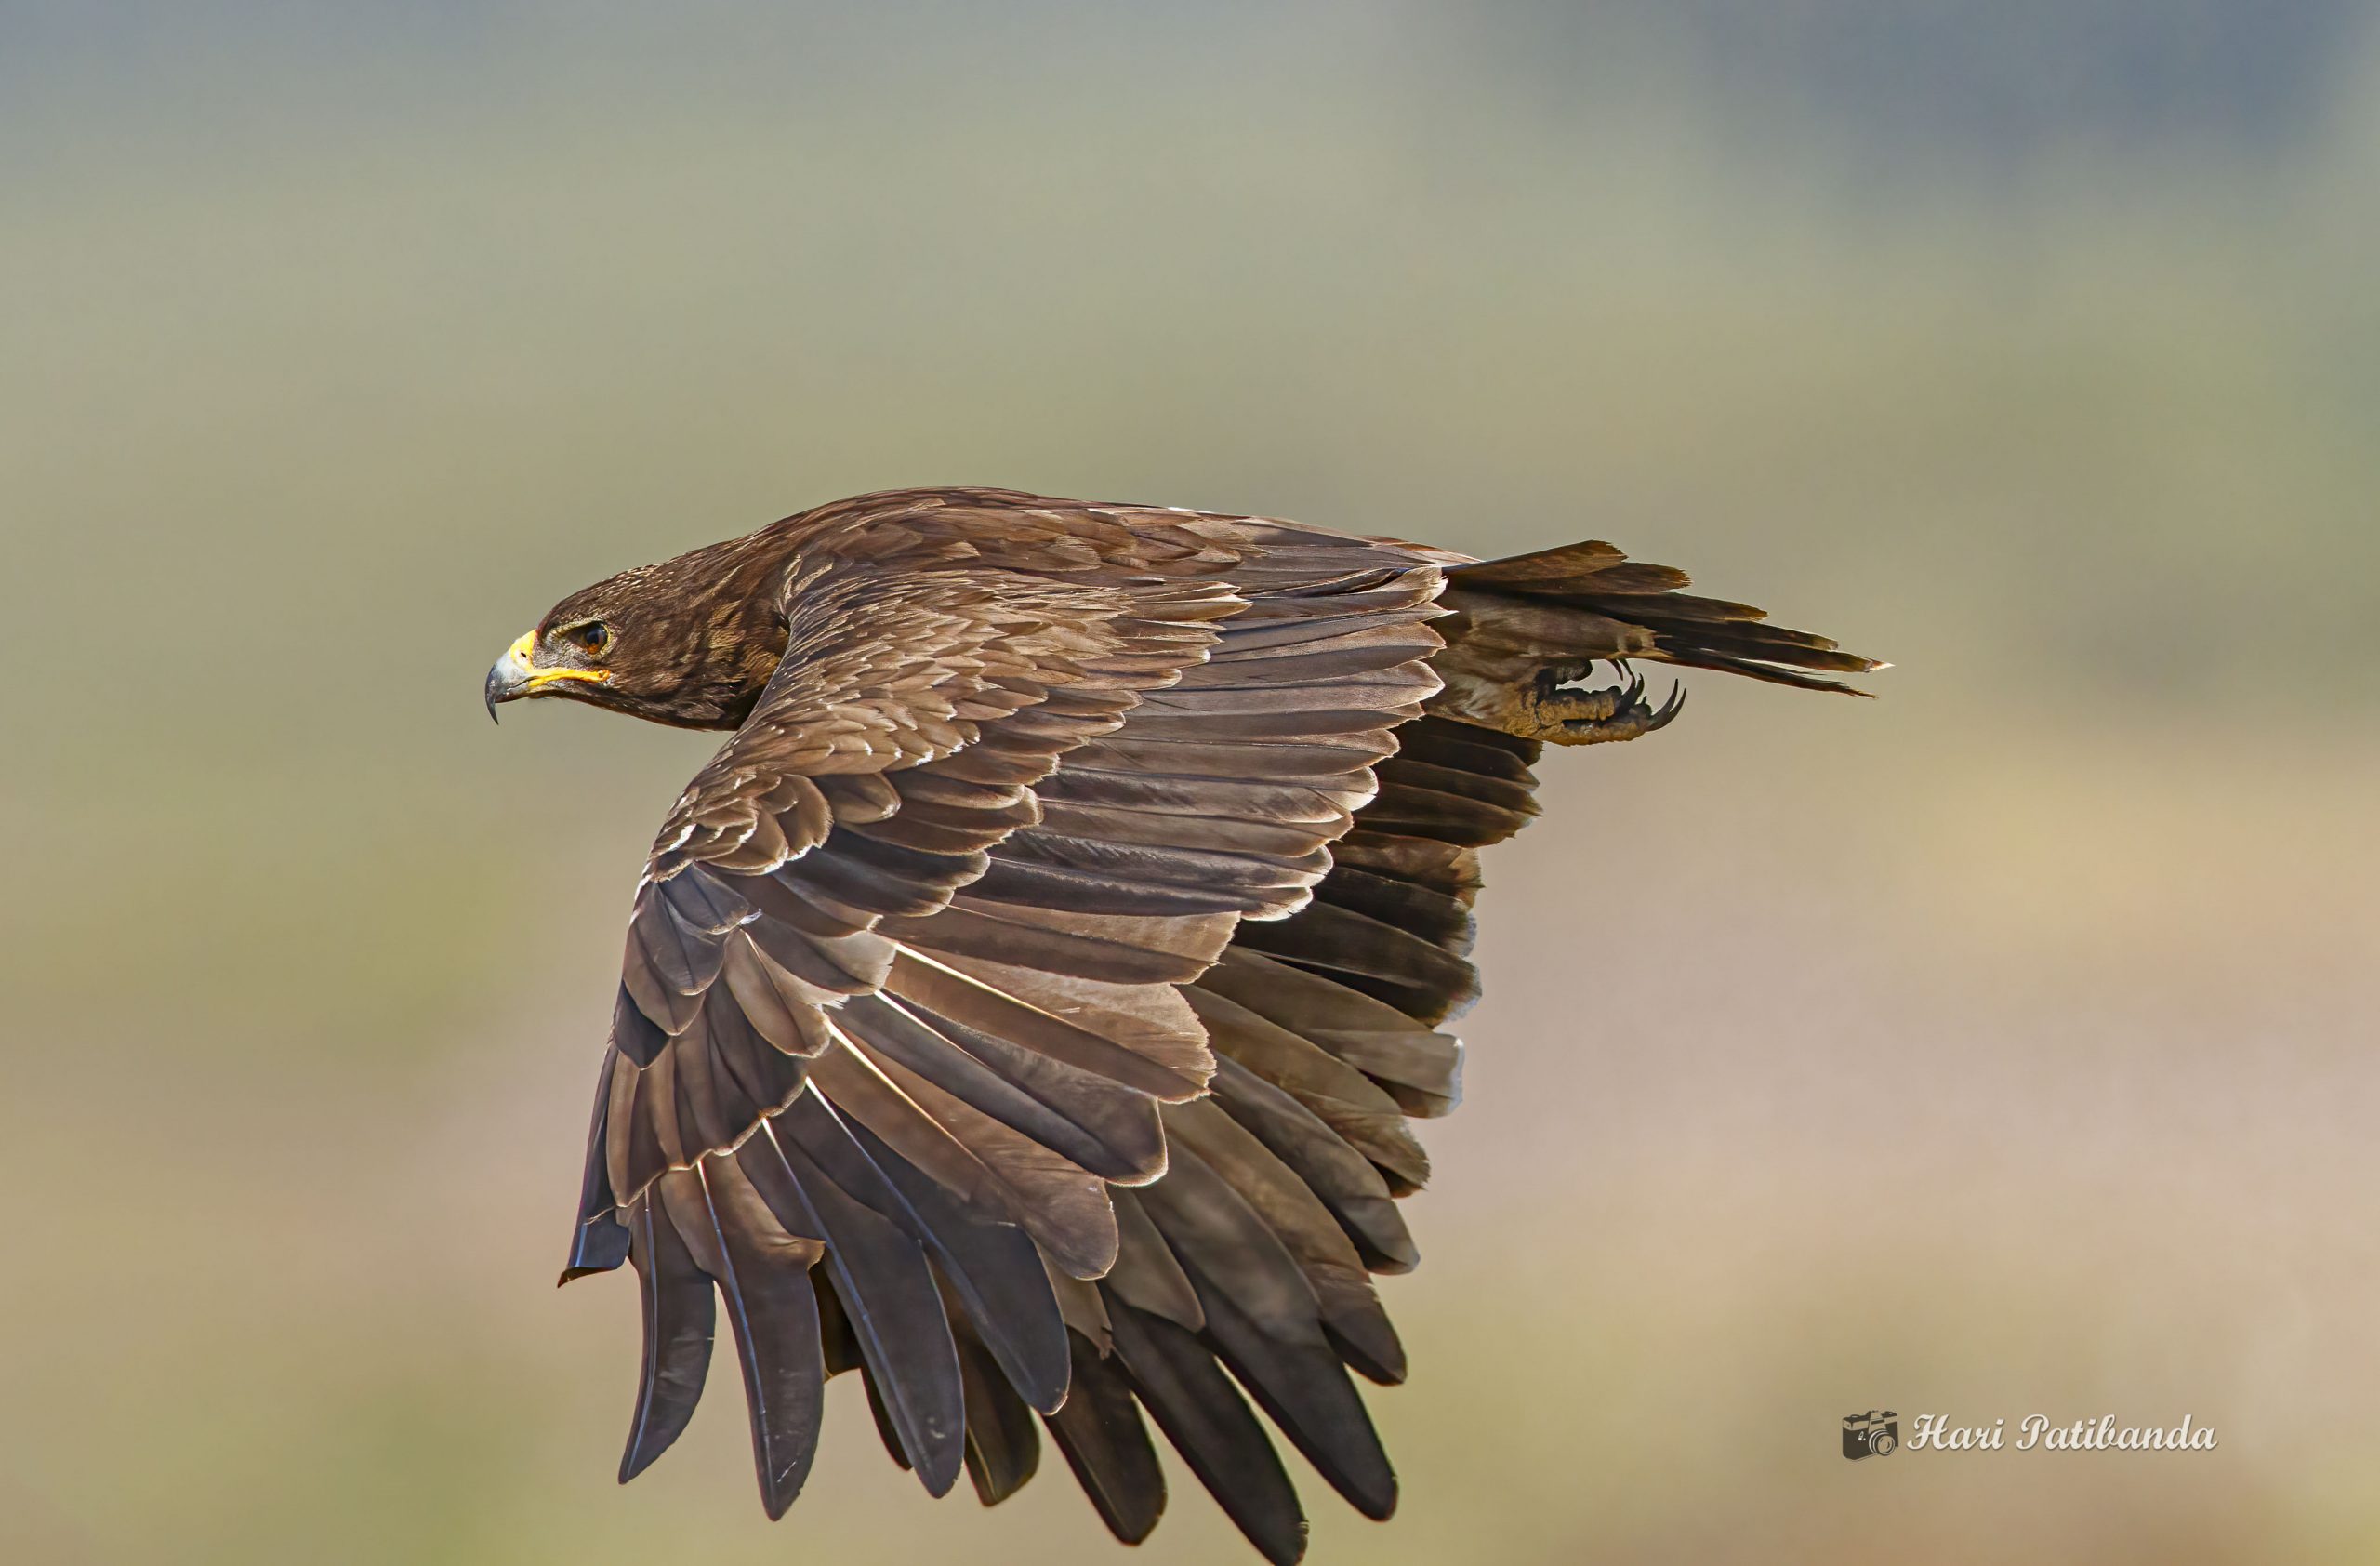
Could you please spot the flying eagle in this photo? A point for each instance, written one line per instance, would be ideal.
(1026, 1005)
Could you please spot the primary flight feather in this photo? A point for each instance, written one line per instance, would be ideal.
(1026, 1005)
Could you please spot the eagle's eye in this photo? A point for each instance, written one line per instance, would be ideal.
(590, 638)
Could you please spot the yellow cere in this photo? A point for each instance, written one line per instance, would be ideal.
(519, 653)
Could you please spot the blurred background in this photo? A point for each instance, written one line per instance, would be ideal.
(2000, 1047)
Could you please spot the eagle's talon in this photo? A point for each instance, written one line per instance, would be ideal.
(1554, 710)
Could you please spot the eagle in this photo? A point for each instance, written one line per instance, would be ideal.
(1028, 1006)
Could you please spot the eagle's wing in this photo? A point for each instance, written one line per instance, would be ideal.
(899, 1012)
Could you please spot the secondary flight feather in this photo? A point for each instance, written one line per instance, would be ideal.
(1026, 1008)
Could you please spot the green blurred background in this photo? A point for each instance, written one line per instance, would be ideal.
(2002, 1046)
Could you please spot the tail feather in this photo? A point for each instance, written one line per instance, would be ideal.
(1677, 626)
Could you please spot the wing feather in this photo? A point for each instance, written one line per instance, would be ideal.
(802, 1163)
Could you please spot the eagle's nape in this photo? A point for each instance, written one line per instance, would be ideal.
(1028, 1007)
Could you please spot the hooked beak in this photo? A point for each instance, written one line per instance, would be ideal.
(516, 674)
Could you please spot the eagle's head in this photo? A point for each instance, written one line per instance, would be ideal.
(690, 642)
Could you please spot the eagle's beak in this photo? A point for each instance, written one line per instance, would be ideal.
(515, 675)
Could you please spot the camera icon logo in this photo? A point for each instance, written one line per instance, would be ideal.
(1873, 1433)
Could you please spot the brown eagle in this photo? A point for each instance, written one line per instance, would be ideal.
(1026, 1005)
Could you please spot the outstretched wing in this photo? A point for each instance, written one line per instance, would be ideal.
(899, 1013)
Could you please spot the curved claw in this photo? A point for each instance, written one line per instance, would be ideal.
(1555, 706)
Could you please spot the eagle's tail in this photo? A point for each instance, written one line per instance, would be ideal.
(1525, 629)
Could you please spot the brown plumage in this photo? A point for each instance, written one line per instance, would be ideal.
(1026, 1006)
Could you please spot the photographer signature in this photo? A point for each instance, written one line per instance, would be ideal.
(2035, 1430)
